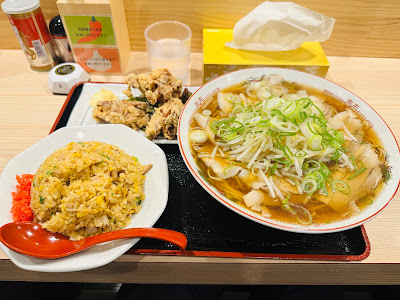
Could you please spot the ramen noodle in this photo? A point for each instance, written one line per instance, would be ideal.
(287, 151)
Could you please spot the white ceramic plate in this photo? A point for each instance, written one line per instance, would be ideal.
(156, 190)
(82, 111)
(363, 109)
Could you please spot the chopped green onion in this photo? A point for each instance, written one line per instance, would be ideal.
(325, 190)
(311, 165)
(236, 126)
(315, 142)
(300, 153)
(273, 169)
(302, 116)
(367, 201)
(335, 144)
(324, 170)
(252, 121)
(263, 123)
(357, 173)
(214, 125)
(285, 203)
(272, 103)
(106, 156)
(290, 109)
(229, 136)
(336, 155)
(285, 161)
(339, 136)
(339, 185)
(312, 129)
(309, 185)
(318, 177)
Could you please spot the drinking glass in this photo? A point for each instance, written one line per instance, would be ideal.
(168, 46)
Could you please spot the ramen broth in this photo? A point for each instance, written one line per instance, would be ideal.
(300, 208)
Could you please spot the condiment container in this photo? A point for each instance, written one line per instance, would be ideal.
(60, 39)
(98, 34)
(30, 27)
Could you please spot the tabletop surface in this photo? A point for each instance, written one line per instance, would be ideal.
(28, 110)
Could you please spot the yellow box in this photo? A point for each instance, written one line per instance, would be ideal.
(219, 59)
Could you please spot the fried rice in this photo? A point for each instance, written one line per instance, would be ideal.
(87, 188)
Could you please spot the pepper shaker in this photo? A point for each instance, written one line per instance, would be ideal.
(59, 36)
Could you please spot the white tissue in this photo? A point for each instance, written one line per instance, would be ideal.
(280, 26)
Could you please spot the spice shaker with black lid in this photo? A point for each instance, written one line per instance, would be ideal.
(59, 36)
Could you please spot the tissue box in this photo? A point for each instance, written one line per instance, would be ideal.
(219, 59)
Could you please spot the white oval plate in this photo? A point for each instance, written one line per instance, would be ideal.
(156, 190)
(82, 111)
(359, 106)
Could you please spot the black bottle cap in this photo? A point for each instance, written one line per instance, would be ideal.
(56, 27)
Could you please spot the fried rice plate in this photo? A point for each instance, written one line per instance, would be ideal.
(87, 188)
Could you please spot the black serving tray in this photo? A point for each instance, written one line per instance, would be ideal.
(214, 230)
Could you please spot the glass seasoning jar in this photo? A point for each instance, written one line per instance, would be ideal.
(30, 27)
(59, 36)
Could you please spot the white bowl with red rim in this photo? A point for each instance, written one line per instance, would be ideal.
(339, 93)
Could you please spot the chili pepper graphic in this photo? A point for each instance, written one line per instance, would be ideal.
(95, 31)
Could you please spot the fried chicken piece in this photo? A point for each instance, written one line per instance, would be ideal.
(128, 92)
(130, 113)
(165, 119)
(157, 86)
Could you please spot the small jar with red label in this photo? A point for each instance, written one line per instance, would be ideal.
(30, 27)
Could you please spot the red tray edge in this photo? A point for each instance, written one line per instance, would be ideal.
(360, 257)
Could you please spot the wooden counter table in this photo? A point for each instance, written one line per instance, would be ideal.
(28, 110)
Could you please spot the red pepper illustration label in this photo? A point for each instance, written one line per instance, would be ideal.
(93, 30)
(94, 33)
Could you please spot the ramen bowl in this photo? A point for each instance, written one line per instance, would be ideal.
(342, 98)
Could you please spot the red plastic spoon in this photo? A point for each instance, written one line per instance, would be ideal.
(30, 239)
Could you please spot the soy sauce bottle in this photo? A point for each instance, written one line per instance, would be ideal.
(59, 36)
